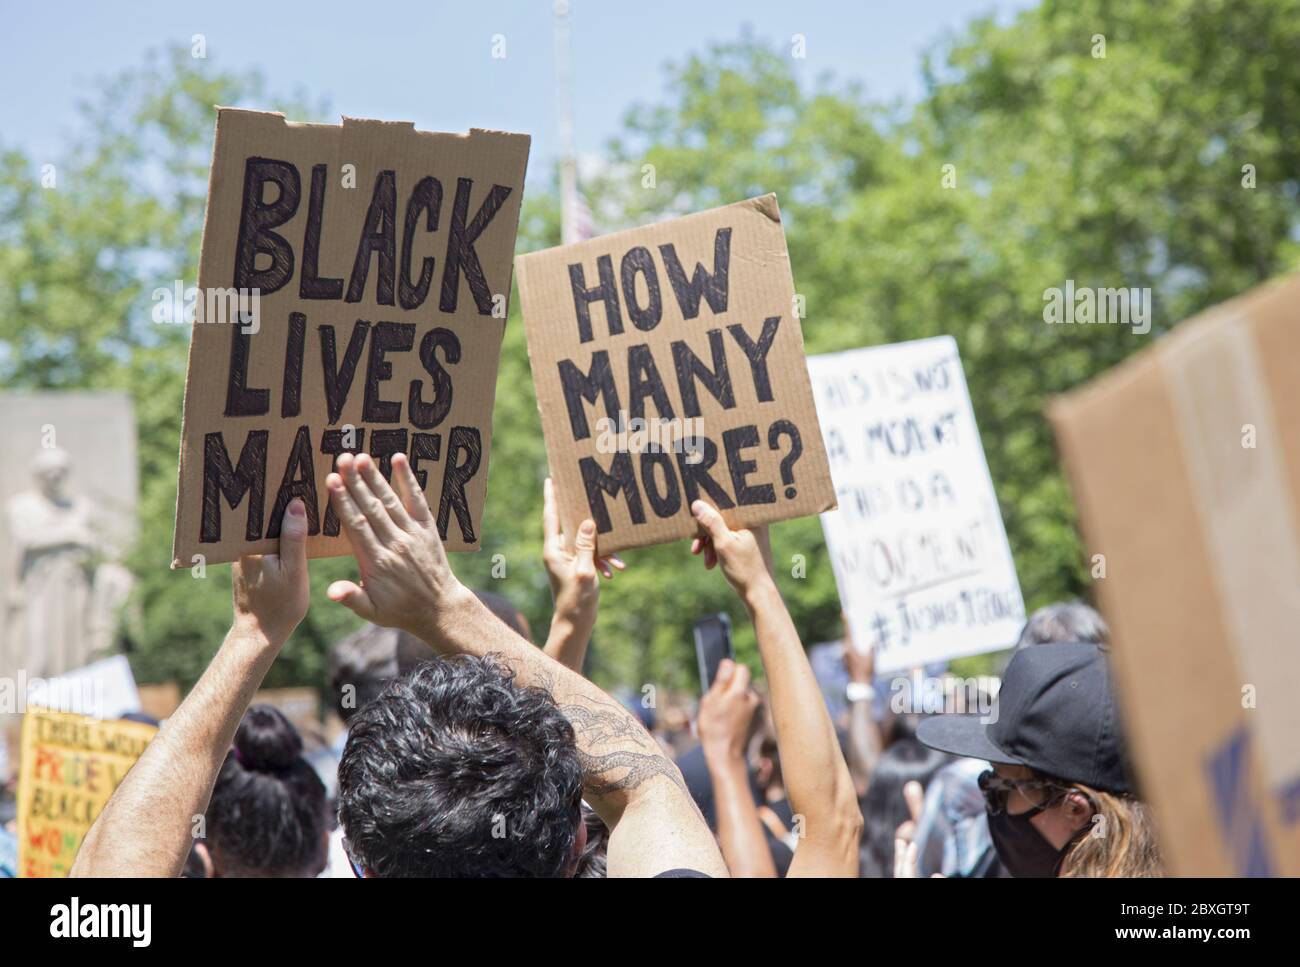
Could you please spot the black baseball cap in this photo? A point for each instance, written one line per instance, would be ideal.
(1055, 713)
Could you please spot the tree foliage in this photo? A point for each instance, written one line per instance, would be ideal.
(1122, 170)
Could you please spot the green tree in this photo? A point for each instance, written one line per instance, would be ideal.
(1122, 170)
(79, 261)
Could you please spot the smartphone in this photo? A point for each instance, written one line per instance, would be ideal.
(712, 644)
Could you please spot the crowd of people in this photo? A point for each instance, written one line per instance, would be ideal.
(470, 751)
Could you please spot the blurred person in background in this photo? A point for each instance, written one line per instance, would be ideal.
(894, 797)
(268, 814)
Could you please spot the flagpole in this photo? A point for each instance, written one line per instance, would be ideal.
(564, 106)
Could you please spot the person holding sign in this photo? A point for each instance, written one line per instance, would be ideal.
(555, 738)
(816, 777)
(147, 827)
(517, 698)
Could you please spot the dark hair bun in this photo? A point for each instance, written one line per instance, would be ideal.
(266, 741)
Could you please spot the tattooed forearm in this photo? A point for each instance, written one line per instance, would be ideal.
(617, 753)
(602, 771)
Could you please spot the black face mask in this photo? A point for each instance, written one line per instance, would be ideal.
(1021, 847)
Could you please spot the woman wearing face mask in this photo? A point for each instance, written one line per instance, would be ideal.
(1059, 794)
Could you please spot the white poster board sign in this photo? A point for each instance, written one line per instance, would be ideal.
(920, 554)
(104, 689)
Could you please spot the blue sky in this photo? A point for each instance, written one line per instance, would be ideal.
(431, 62)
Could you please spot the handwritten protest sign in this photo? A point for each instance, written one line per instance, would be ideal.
(351, 297)
(70, 766)
(669, 366)
(919, 550)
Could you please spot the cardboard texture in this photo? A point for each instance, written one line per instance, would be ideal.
(352, 295)
(1185, 462)
(70, 766)
(669, 366)
(920, 553)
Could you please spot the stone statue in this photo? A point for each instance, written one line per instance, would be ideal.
(65, 593)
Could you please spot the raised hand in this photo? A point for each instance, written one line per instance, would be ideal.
(270, 591)
(727, 712)
(745, 555)
(572, 573)
(406, 581)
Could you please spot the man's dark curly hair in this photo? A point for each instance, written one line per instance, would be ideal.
(455, 770)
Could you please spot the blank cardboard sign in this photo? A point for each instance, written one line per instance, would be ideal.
(351, 297)
(1185, 462)
(669, 366)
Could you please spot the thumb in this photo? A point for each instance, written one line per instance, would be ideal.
(710, 520)
(584, 545)
(353, 597)
(293, 537)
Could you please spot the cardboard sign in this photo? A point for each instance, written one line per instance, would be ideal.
(920, 554)
(1185, 462)
(351, 297)
(669, 366)
(70, 766)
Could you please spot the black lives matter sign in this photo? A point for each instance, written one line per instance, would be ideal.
(351, 298)
(669, 367)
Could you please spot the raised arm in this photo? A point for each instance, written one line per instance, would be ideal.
(816, 777)
(726, 716)
(864, 739)
(575, 588)
(146, 827)
(406, 583)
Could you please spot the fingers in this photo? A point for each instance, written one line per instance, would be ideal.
(550, 513)
(905, 859)
(726, 669)
(709, 519)
(584, 560)
(364, 498)
(408, 488)
(293, 538)
(704, 545)
(914, 793)
(364, 543)
(714, 528)
(740, 678)
(387, 496)
(352, 596)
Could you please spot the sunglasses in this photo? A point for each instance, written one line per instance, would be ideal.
(998, 789)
